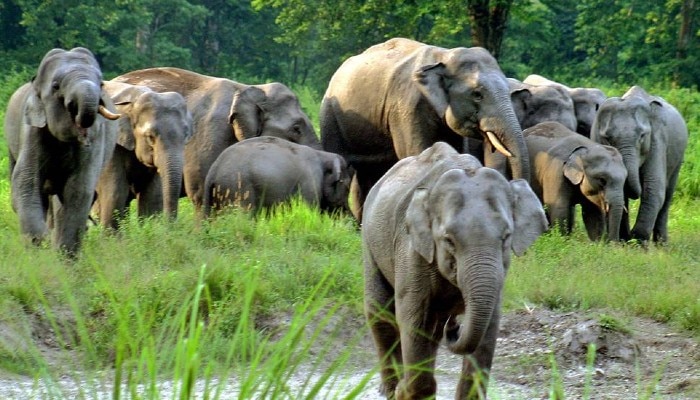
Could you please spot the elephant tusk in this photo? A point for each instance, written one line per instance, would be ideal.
(497, 144)
(108, 114)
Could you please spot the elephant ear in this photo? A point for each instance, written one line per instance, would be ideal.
(573, 166)
(247, 113)
(529, 219)
(126, 137)
(34, 114)
(431, 83)
(418, 225)
(520, 98)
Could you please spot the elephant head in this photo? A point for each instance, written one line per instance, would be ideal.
(599, 173)
(468, 90)
(587, 101)
(335, 186)
(535, 104)
(271, 110)
(67, 95)
(158, 127)
(466, 224)
(627, 123)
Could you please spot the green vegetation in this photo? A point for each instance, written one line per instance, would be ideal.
(301, 42)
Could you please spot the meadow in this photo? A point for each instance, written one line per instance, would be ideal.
(186, 301)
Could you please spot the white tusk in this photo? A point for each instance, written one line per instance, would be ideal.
(108, 114)
(497, 144)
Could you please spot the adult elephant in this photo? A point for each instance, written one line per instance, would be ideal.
(586, 101)
(262, 172)
(437, 233)
(59, 136)
(225, 112)
(534, 104)
(148, 160)
(399, 97)
(569, 169)
(652, 136)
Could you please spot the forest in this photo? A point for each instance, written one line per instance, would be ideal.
(302, 42)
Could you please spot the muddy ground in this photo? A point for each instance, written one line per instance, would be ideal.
(538, 350)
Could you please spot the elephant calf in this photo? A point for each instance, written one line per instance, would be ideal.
(437, 232)
(261, 172)
(569, 169)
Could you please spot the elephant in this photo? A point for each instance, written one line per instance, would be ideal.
(60, 132)
(225, 112)
(586, 101)
(437, 232)
(148, 160)
(535, 104)
(652, 136)
(258, 173)
(399, 97)
(569, 169)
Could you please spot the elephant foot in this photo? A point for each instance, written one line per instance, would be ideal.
(423, 386)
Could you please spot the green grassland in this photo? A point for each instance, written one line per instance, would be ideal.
(185, 299)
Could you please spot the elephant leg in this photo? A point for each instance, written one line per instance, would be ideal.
(561, 214)
(113, 192)
(150, 199)
(28, 201)
(381, 318)
(660, 233)
(71, 217)
(418, 345)
(476, 367)
(649, 206)
(594, 220)
(365, 177)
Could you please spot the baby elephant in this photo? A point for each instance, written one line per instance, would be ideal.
(261, 172)
(437, 234)
(568, 169)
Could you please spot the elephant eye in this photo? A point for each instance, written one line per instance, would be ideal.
(55, 85)
(477, 95)
(297, 129)
(151, 140)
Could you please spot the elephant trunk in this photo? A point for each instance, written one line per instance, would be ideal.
(614, 221)
(481, 288)
(171, 177)
(506, 129)
(633, 187)
(83, 102)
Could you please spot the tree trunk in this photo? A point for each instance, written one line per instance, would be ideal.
(685, 34)
(489, 20)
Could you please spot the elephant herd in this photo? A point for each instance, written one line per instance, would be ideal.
(449, 166)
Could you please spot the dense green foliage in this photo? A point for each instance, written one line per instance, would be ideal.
(303, 42)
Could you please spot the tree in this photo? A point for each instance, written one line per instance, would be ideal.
(488, 19)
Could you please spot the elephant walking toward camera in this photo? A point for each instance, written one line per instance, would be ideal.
(570, 169)
(399, 97)
(437, 232)
(261, 172)
(59, 133)
(148, 160)
(225, 112)
(652, 136)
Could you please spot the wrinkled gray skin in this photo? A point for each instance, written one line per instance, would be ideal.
(59, 139)
(225, 112)
(569, 169)
(148, 160)
(437, 232)
(652, 136)
(399, 97)
(261, 172)
(586, 101)
(535, 104)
